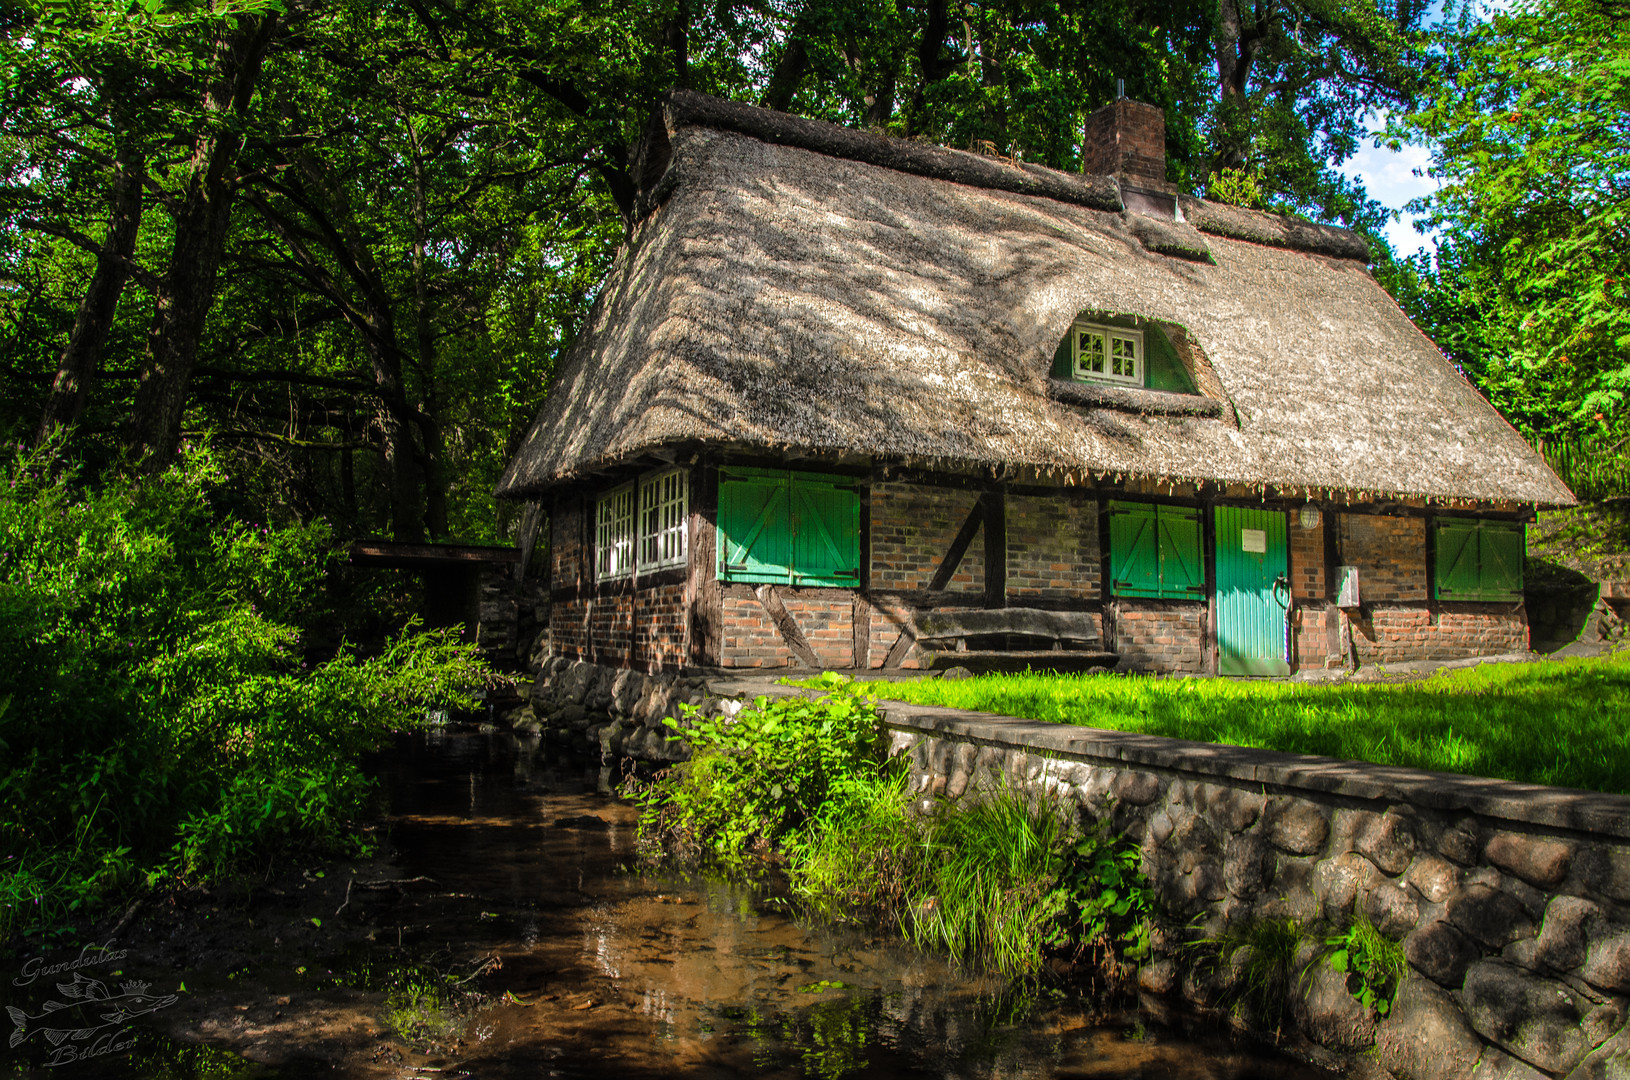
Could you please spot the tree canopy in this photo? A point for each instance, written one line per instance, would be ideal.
(348, 242)
(1530, 288)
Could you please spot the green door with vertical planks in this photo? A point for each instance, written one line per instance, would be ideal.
(1251, 557)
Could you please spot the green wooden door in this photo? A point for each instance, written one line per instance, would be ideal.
(1251, 555)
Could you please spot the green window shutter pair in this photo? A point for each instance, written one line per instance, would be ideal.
(1478, 560)
(1155, 551)
(788, 528)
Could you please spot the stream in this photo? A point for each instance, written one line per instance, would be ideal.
(507, 936)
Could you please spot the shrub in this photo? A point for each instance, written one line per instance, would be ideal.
(160, 715)
(998, 880)
(764, 773)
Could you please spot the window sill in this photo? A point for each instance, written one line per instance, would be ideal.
(1132, 399)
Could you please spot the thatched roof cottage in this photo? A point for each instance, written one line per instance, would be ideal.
(857, 402)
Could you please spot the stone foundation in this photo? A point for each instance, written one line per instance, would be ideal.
(618, 711)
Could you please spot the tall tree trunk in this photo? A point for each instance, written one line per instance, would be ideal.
(79, 359)
(188, 287)
(429, 418)
(1236, 45)
(366, 305)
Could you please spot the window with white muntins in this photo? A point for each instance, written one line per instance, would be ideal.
(642, 523)
(662, 519)
(1107, 353)
(614, 534)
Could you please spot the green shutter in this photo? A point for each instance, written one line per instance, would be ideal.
(1500, 556)
(826, 533)
(755, 527)
(1182, 570)
(1456, 576)
(1134, 550)
(1063, 360)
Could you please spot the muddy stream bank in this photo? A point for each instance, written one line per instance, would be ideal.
(505, 936)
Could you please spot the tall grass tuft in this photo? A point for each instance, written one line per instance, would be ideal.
(987, 892)
(859, 856)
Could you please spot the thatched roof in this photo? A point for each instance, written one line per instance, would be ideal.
(795, 286)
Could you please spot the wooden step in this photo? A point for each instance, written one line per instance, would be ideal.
(979, 662)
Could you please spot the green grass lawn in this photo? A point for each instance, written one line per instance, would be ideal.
(1555, 722)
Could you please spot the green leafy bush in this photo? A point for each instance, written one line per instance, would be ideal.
(764, 773)
(998, 879)
(161, 715)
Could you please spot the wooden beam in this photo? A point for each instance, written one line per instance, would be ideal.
(784, 622)
(959, 547)
(861, 620)
(995, 549)
(902, 645)
(702, 587)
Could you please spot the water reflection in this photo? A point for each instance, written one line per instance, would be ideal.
(667, 974)
(521, 944)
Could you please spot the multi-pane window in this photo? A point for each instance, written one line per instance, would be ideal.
(614, 534)
(1108, 353)
(662, 519)
(642, 522)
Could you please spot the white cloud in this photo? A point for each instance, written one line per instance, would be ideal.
(1393, 178)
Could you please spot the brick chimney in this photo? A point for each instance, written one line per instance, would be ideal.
(1126, 139)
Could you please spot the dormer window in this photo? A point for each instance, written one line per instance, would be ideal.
(1106, 353)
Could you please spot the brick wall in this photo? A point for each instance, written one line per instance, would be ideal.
(1315, 637)
(1126, 136)
(567, 565)
(751, 639)
(1052, 548)
(1390, 634)
(611, 623)
(1306, 561)
(659, 629)
(912, 529)
(1390, 553)
(1160, 635)
(1397, 621)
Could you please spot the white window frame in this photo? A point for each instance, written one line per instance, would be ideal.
(663, 519)
(1110, 336)
(614, 538)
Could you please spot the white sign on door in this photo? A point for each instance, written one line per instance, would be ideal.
(1254, 540)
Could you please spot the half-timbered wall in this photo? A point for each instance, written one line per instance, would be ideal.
(1052, 548)
(1397, 620)
(637, 622)
(928, 548)
(913, 527)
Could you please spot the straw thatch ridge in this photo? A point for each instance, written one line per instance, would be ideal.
(1168, 237)
(686, 108)
(1236, 223)
(798, 303)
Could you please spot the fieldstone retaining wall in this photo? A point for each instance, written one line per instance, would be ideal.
(618, 710)
(1512, 900)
